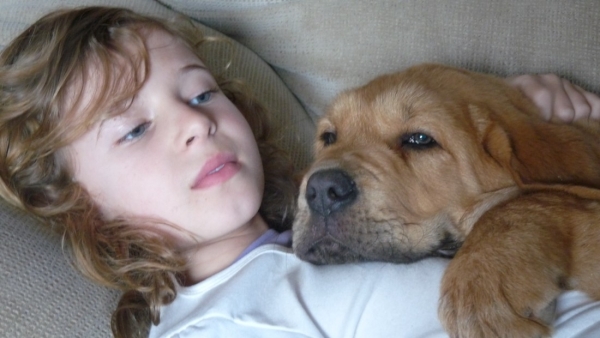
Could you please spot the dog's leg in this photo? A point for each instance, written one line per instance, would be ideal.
(585, 271)
(512, 266)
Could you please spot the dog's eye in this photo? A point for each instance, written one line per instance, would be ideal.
(328, 138)
(417, 140)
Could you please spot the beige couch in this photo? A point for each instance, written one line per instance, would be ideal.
(297, 55)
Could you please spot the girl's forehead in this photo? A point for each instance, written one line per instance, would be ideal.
(158, 38)
(163, 47)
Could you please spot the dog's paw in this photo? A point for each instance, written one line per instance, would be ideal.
(477, 304)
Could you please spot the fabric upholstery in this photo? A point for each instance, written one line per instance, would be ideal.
(322, 47)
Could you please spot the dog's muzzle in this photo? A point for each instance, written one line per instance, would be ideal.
(329, 191)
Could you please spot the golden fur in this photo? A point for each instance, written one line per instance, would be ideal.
(438, 161)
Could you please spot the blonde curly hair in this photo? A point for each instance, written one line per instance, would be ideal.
(43, 73)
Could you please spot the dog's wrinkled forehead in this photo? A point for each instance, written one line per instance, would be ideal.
(382, 110)
(391, 101)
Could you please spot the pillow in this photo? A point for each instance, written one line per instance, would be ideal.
(322, 47)
(41, 295)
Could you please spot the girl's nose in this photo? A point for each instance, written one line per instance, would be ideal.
(195, 126)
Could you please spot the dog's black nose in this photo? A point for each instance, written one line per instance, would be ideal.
(330, 190)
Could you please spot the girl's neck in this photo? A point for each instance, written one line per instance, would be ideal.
(210, 258)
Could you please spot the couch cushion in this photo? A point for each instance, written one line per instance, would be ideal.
(40, 293)
(321, 47)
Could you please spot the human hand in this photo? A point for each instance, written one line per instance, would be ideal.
(557, 98)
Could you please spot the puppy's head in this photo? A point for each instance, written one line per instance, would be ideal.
(399, 164)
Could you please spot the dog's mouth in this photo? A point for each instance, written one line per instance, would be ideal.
(329, 250)
(447, 247)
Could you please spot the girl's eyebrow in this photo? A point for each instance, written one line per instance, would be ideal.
(101, 126)
(183, 70)
(190, 67)
(124, 113)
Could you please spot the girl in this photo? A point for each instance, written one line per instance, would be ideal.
(168, 187)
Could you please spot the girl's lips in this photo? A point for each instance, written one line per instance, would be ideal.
(218, 169)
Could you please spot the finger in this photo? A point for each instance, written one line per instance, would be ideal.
(536, 91)
(543, 101)
(579, 103)
(594, 102)
(552, 93)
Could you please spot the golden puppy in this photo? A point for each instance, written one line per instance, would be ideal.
(419, 163)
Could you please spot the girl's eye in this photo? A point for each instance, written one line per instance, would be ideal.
(202, 98)
(135, 133)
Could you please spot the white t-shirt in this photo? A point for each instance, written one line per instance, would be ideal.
(271, 293)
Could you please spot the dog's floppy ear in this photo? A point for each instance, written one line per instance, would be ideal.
(495, 141)
(536, 151)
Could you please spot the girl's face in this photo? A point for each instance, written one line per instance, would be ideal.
(181, 153)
